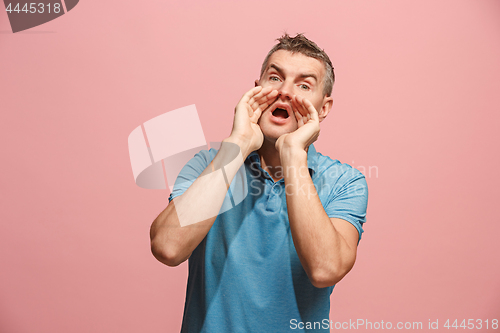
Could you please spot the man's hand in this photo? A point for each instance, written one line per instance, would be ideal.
(247, 113)
(308, 126)
(326, 246)
(179, 229)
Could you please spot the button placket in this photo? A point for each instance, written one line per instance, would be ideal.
(274, 198)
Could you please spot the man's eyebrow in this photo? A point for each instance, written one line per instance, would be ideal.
(302, 76)
(306, 75)
(279, 70)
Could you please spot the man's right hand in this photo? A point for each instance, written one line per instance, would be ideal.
(246, 131)
(180, 228)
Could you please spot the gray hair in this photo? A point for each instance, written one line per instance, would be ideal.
(301, 44)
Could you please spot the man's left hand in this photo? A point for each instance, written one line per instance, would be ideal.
(308, 126)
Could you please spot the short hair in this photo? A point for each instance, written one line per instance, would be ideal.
(300, 44)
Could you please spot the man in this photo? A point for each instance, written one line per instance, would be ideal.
(270, 263)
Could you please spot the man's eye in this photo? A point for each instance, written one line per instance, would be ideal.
(305, 87)
(273, 78)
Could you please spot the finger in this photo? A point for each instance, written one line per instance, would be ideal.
(264, 97)
(296, 101)
(268, 96)
(258, 94)
(312, 110)
(260, 107)
(309, 111)
(300, 118)
(256, 115)
(250, 94)
(265, 101)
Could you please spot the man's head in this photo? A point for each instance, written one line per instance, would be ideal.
(300, 44)
(294, 67)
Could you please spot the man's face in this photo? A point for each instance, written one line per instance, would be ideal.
(291, 74)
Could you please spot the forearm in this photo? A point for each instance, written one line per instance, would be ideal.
(322, 250)
(178, 230)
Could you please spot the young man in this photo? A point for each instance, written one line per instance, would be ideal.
(269, 263)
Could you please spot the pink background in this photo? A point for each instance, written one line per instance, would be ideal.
(416, 98)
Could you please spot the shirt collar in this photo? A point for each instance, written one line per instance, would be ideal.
(312, 158)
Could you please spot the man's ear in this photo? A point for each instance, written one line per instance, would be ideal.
(257, 83)
(325, 110)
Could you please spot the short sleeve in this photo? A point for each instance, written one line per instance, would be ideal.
(349, 200)
(191, 171)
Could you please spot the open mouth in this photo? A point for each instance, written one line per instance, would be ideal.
(280, 113)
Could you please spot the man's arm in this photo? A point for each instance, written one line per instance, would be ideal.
(326, 246)
(178, 230)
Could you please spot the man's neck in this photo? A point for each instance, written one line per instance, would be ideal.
(270, 160)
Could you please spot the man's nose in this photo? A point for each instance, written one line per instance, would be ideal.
(285, 91)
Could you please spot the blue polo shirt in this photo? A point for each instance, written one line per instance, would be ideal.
(245, 276)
